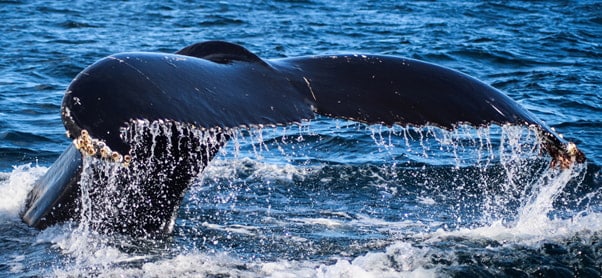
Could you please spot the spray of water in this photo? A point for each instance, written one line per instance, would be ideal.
(14, 187)
(470, 182)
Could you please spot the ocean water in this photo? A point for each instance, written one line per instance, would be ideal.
(328, 198)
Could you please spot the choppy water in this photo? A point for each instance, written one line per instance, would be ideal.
(328, 198)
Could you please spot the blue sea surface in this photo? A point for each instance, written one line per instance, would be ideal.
(328, 198)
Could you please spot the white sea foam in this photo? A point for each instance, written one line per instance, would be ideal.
(237, 229)
(400, 259)
(15, 186)
(233, 168)
(408, 252)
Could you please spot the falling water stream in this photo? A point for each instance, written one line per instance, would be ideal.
(326, 198)
(395, 200)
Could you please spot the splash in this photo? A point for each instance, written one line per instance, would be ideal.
(369, 200)
(533, 220)
(142, 197)
(14, 187)
(123, 203)
(483, 175)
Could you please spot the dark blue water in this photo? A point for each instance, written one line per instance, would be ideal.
(328, 198)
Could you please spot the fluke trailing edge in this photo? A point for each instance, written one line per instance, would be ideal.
(163, 117)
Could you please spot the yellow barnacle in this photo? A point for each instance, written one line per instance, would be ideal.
(84, 134)
(126, 160)
(78, 143)
(116, 156)
(105, 152)
(90, 151)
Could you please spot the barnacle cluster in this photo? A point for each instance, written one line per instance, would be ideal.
(96, 148)
(567, 156)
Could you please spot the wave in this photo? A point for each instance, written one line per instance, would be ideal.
(253, 212)
(14, 187)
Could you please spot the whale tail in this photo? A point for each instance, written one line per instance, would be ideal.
(198, 95)
(392, 90)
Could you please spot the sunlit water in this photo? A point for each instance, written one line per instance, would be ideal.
(328, 198)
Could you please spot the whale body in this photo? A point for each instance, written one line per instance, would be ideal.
(159, 118)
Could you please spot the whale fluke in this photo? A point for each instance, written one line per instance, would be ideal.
(162, 117)
(220, 52)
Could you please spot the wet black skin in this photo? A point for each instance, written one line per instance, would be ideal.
(220, 86)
